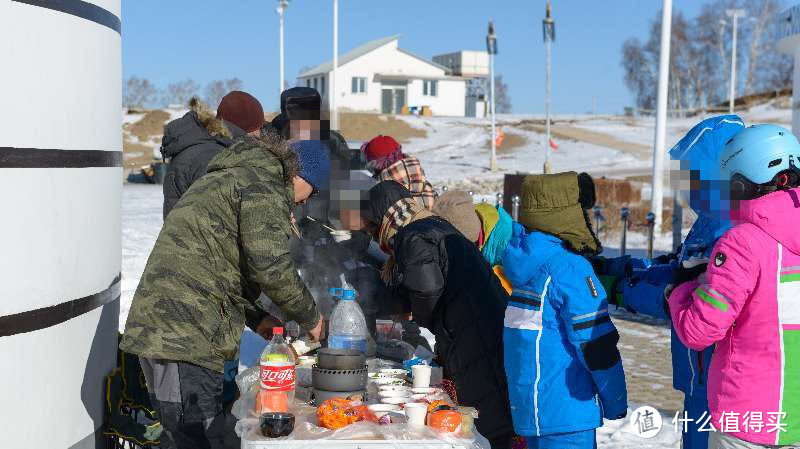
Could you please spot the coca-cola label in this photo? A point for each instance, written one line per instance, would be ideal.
(277, 377)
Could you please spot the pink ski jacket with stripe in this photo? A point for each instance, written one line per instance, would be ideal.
(748, 303)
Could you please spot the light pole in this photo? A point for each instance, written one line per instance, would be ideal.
(332, 87)
(734, 14)
(281, 9)
(491, 48)
(549, 34)
(657, 200)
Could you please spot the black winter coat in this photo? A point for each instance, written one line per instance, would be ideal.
(189, 147)
(454, 293)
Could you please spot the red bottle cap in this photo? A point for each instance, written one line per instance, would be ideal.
(277, 331)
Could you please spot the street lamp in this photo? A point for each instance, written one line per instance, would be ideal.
(734, 14)
(549, 35)
(491, 48)
(281, 9)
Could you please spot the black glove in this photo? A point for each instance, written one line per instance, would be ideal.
(682, 274)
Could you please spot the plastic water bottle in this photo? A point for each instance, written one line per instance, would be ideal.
(348, 328)
(277, 372)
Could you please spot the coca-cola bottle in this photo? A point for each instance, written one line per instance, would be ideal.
(276, 391)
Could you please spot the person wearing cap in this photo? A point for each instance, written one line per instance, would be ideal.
(440, 275)
(387, 162)
(224, 242)
(191, 141)
(486, 225)
(561, 359)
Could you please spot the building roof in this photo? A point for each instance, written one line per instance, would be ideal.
(326, 67)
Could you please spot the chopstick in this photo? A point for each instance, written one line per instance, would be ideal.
(330, 229)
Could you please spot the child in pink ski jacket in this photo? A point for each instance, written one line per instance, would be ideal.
(748, 304)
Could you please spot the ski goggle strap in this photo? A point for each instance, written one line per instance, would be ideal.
(744, 189)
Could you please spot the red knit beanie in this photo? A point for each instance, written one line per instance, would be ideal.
(380, 147)
(241, 109)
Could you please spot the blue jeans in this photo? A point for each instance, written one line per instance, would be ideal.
(695, 406)
(584, 439)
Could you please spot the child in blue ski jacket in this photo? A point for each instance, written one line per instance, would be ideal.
(560, 347)
(643, 286)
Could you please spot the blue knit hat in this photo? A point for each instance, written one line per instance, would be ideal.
(315, 162)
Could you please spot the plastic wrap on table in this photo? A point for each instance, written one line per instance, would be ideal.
(306, 430)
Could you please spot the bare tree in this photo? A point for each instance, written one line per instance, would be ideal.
(180, 92)
(502, 102)
(138, 92)
(217, 89)
(700, 56)
(233, 84)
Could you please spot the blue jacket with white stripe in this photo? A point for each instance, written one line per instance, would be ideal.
(560, 347)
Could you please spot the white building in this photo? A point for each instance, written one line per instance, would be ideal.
(380, 77)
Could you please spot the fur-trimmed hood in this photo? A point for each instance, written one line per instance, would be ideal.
(199, 125)
(263, 153)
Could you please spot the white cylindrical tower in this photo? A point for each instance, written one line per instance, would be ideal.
(60, 192)
(789, 43)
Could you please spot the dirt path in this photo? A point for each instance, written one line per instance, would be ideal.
(647, 359)
(593, 137)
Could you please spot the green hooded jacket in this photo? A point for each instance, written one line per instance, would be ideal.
(226, 240)
(556, 204)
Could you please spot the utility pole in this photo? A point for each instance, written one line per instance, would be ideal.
(332, 86)
(281, 9)
(491, 48)
(549, 35)
(734, 14)
(657, 199)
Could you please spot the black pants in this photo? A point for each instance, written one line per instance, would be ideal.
(188, 399)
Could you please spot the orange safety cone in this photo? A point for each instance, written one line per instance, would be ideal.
(498, 141)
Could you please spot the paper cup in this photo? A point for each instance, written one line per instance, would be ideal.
(415, 412)
(421, 376)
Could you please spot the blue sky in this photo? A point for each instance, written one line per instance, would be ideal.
(171, 40)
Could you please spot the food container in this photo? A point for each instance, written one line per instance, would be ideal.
(383, 381)
(396, 400)
(394, 372)
(306, 360)
(394, 394)
(340, 359)
(394, 388)
(339, 380)
(276, 424)
(425, 390)
(384, 329)
(468, 415)
(445, 420)
(382, 409)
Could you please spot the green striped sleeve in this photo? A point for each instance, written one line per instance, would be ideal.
(705, 293)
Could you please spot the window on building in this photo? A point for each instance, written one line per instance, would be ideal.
(308, 82)
(358, 85)
(429, 88)
(322, 84)
(316, 86)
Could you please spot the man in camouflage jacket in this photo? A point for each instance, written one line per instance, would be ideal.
(226, 240)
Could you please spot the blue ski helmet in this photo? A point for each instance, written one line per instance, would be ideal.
(759, 153)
